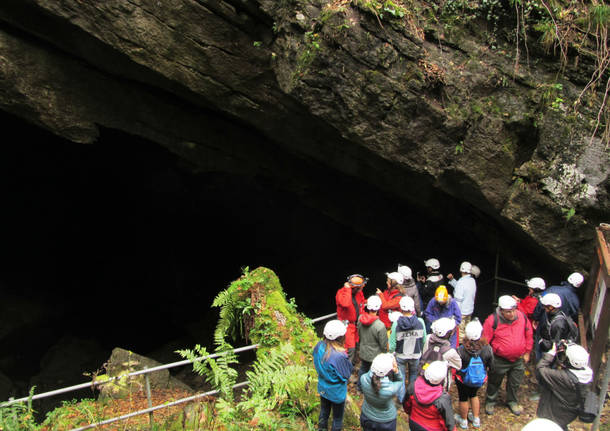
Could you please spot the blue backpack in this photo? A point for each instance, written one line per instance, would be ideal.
(474, 373)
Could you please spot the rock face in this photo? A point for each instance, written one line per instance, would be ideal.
(448, 126)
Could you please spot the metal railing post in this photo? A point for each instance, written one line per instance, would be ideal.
(148, 395)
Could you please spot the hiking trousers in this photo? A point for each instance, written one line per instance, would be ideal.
(337, 408)
(514, 372)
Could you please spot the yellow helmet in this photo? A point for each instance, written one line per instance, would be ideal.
(441, 295)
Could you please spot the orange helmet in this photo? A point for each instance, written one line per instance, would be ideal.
(357, 280)
(441, 295)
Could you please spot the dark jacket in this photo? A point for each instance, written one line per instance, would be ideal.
(429, 407)
(559, 396)
(485, 353)
(373, 337)
(570, 304)
(428, 288)
(554, 328)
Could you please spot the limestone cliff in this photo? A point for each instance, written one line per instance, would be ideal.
(444, 118)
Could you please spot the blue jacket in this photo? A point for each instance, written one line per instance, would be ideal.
(570, 304)
(434, 311)
(332, 373)
(380, 407)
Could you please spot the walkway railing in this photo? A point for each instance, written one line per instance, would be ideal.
(145, 372)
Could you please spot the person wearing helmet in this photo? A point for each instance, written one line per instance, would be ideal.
(568, 292)
(427, 403)
(379, 386)
(373, 335)
(464, 292)
(562, 380)
(527, 305)
(477, 358)
(509, 333)
(439, 348)
(350, 304)
(443, 305)
(409, 287)
(427, 284)
(334, 369)
(541, 424)
(390, 297)
(554, 325)
(407, 341)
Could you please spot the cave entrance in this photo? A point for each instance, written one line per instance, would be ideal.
(122, 243)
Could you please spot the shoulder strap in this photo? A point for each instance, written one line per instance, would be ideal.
(495, 325)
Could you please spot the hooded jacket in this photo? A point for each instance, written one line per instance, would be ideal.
(380, 407)
(407, 337)
(450, 354)
(333, 373)
(559, 395)
(510, 339)
(429, 407)
(373, 337)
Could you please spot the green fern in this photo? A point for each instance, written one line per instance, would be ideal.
(217, 371)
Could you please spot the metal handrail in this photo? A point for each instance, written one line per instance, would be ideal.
(152, 409)
(140, 372)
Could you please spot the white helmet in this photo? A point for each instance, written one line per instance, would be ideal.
(373, 303)
(551, 299)
(541, 424)
(576, 279)
(405, 271)
(466, 267)
(436, 372)
(475, 271)
(382, 364)
(474, 330)
(536, 283)
(577, 355)
(433, 263)
(407, 304)
(443, 326)
(334, 329)
(393, 316)
(396, 276)
(507, 302)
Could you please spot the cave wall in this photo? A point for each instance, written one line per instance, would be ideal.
(381, 102)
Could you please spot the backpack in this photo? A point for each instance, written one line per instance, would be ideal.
(573, 335)
(474, 373)
(434, 353)
(588, 409)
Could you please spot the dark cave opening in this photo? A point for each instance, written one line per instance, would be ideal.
(122, 243)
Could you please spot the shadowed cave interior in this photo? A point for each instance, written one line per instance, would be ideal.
(122, 243)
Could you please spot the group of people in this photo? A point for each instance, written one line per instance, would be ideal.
(418, 336)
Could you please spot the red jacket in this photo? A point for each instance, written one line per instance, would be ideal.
(527, 305)
(429, 407)
(345, 304)
(509, 340)
(390, 300)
